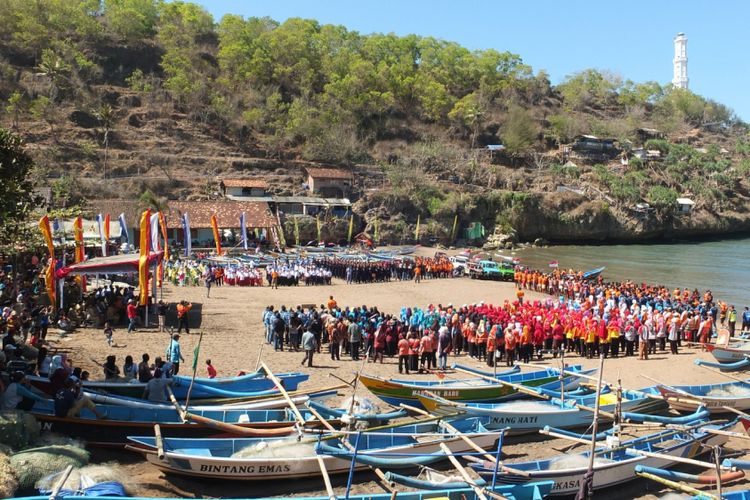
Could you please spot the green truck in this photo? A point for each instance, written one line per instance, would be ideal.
(490, 270)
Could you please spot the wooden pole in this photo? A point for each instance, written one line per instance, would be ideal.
(280, 387)
(595, 423)
(461, 470)
(159, 442)
(564, 436)
(681, 487)
(717, 464)
(738, 412)
(378, 472)
(195, 369)
(682, 460)
(737, 379)
(326, 478)
(180, 411)
(64, 477)
(517, 387)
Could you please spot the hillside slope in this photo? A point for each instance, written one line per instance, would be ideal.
(112, 104)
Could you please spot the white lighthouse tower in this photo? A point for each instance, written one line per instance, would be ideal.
(680, 78)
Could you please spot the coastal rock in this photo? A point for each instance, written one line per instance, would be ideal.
(540, 242)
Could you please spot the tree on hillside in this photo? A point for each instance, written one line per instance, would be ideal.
(149, 200)
(17, 199)
(519, 131)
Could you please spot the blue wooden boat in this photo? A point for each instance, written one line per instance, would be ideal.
(250, 385)
(715, 397)
(329, 412)
(593, 274)
(532, 491)
(122, 421)
(742, 364)
(250, 459)
(612, 465)
(396, 391)
(525, 416)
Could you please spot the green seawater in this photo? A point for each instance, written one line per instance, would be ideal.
(720, 266)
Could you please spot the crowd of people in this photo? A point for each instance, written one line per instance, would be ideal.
(376, 271)
(292, 272)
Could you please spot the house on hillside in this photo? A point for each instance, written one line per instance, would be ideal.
(685, 206)
(591, 148)
(248, 188)
(329, 182)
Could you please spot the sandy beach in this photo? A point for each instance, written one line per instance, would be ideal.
(233, 337)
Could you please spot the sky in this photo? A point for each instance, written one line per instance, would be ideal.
(633, 39)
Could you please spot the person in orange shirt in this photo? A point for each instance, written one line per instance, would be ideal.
(182, 316)
(331, 303)
(403, 354)
(510, 346)
(413, 351)
(491, 345)
(425, 349)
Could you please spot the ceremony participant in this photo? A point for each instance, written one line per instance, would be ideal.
(183, 309)
(210, 370)
(19, 395)
(309, 345)
(174, 354)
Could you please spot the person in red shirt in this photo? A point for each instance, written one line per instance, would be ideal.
(132, 311)
(425, 347)
(210, 369)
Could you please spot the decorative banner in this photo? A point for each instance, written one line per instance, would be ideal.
(106, 227)
(78, 237)
(49, 275)
(187, 242)
(351, 228)
(455, 225)
(317, 223)
(100, 227)
(154, 232)
(375, 233)
(145, 241)
(49, 280)
(123, 229)
(163, 224)
(215, 228)
(416, 230)
(554, 264)
(243, 230)
(79, 253)
(296, 232)
(47, 233)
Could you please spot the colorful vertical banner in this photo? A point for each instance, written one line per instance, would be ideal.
(243, 230)
(163, 225)
(376, 231)
(215, 229)
(106, 227)
(296, 232)
(154, 232)
(100, 228)
(49, 275)
(416, 230)
(79, 253)
(317, 224)
(123, 229)
(455, 226)
(351, 228)
(187, 241)
(145, 242)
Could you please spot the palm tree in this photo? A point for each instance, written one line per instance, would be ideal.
(149, 200)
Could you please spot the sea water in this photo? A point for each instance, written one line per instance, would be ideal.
(720, 266)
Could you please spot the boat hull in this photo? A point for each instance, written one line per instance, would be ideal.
(683, 402)
(729, 354)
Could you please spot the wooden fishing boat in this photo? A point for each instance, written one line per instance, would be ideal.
(593, 274)
(258, 403)
(615, 465)
(121, 422)
(261, 459)
(524, 416)
(742, 364)
(531, 491)
(731, 353)
(479, 390)
(715, 397)
(253, 384)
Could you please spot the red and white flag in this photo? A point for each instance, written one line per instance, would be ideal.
(554, 263)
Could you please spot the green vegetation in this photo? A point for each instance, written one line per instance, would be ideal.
(17, 198)
(419, 109)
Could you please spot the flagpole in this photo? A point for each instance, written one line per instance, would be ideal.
(195, 369)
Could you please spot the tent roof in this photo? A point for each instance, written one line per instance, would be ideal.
(114, 264)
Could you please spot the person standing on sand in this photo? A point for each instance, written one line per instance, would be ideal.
(132, 311)
(355, 338)
(183, 308)
(108, 332)
(174, 354)
(210, 369)
(161, 311)
(308, 344)
(403, 354)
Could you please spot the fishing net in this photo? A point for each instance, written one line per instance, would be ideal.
(277, 449)
(33, 464)
(87, 477)
(365, 406)
(436, 477)
(575, 462)
(729, 391)
(8, 480)
(18, 429)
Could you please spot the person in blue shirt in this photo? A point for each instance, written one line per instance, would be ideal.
(19, 395)
(746, 320)
(174, 355)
